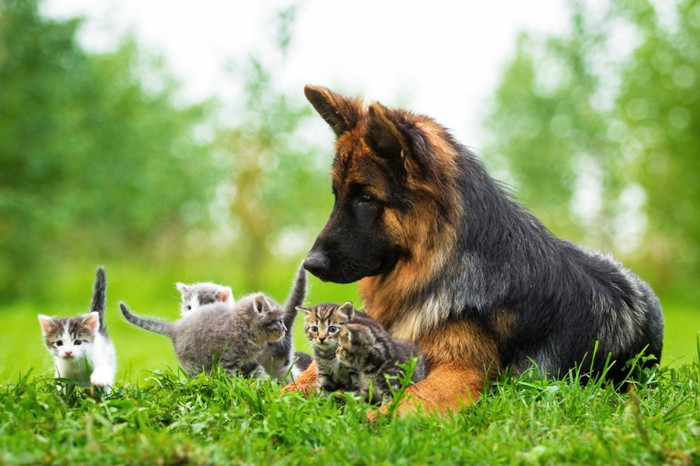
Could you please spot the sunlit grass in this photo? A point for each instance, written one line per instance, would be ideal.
(172, 419)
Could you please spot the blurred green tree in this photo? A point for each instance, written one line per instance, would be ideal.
(275, 190)
(92, 160)
(659, 106)
(598, 130)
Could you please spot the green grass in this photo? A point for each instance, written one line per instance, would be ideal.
(171, 419)
(158, 416)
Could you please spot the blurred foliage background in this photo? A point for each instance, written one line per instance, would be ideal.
(597, 131)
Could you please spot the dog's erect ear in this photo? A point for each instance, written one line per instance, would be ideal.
(388, 133)
(341, 113)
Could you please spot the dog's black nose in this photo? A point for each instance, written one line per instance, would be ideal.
(317, 263)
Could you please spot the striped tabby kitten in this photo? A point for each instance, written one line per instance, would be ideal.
(199, 294)
(279, 358)
(80, 346)
(321, 325)
(232, 337)
(374, 354)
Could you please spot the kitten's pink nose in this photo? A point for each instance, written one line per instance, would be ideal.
(69, 354)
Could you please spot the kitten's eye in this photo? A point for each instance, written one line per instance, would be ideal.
(188, 307)
(78, 342)
(313, 328)
(332, 329)
(59, 343)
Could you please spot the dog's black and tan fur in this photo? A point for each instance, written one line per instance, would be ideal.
(446, 259)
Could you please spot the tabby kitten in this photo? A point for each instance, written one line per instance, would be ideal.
(217, 334)
(321, 325)
(80, 346)
(279, 358)
(199, 294)
(371, 351)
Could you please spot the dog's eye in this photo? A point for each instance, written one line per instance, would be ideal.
(364, 197)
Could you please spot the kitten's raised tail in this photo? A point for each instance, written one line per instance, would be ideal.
(152, 325)
(296, 298)
(99, 296)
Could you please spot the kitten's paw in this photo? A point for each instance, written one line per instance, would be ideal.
(101, 380)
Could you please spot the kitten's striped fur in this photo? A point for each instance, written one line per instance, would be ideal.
(374, 354)
(321, 325)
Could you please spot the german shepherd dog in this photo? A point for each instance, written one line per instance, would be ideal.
(446, 259)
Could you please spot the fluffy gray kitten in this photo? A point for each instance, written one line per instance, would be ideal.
(371, 351)
(278, 358)
(80, 346)
(233, 338)
(236, 334)
(199, 294)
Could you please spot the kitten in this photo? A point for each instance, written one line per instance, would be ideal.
(80, 346)
(371, 351)
(321, 325)
(232, 337)
(279, 358)
(199, 294)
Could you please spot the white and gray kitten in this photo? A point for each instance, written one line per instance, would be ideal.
(80, 346)
(197, 295)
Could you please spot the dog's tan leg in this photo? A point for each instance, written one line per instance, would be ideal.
(447, 388)
(305, 383)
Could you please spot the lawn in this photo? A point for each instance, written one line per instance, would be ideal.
(157, 415)
(171, 419)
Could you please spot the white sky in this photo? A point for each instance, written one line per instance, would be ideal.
(442, 58)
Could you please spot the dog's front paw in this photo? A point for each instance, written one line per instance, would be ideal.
(298, 387)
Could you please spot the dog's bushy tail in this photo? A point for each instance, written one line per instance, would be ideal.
(152, 325)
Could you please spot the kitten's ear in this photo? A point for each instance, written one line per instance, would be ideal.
(182, 287)
(304, 310)
(46, 323)
(348, 310)
(260, 304)
(225, 295)
(91, 321)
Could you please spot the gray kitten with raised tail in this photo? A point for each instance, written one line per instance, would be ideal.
(237, 337)
(279, 358)
(80, 346)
